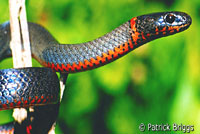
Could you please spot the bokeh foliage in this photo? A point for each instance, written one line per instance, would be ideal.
(157, 83)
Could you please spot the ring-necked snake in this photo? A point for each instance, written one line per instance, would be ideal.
(39, 86)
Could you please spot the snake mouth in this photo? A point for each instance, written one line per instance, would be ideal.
(183, 27)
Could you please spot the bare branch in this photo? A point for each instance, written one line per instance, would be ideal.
(21, 54)
(15, 43)
(63, 79)
(26, 53)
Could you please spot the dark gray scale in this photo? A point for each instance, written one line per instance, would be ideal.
(68, 54)
(28, 82)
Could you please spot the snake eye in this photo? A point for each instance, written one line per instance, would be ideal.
(170, 18)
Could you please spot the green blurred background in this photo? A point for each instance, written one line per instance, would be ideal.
(157, 83)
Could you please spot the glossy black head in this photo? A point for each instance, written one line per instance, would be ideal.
(162, 24)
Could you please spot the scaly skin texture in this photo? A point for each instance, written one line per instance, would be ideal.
(128, 36)
(28, 86)
(71, 58)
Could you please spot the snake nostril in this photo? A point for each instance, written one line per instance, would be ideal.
(184, 18)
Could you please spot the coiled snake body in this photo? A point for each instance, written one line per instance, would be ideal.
(24, 87)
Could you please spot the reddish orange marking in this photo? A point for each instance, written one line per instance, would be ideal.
(104, 56)
(25, 102)
(33, 101)
(82, 65)
(126, 49)
(75, 66)
(44, 100)
(11, 105)
(53, 67)
(63, 67)
(93, 61)
(48, 64)
(68, 66)
(132, 23)
(116, 50)
(171, 29)
(18, 103)
(98, 58)
(135, 37)
(15, 100)
(130, 44)
(148, 35)
(72, 68)
(110, 52)
(143, 36)
(87, 62)
(28, 129)
(4, 106)
(163, 30)
(157, 30)
(58, 67)
(39, 100)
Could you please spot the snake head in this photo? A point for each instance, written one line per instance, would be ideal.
(157, 25)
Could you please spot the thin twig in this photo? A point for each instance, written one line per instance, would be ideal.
(26, 53)
(63, 79)
(15, 42)
(21, 54)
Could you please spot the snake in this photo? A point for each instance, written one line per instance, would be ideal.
(39, 86)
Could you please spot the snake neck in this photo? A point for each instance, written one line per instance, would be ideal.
(89, 55)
